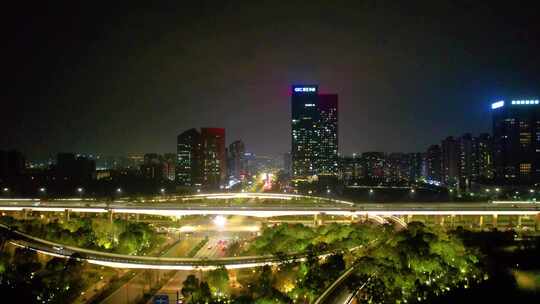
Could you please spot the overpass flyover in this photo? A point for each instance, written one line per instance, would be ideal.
(469, 214)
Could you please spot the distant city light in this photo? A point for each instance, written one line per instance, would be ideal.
(41, 189)
(118, 190)
(162, 190)
(79, 190)
(498, 104)
(6, 189)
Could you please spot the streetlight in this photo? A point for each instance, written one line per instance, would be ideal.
(42, 189)
(162, 190)
(80, 190)
(370, 191)
(531, 190)
(328, 191)
(6, 189)
(119, 190)
(412, 190)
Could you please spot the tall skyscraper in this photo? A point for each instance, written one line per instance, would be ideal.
(468, 159)
(450, 161)
(328, 153)
(237, 162)
(434, 163)
(214, 160)
(485, 157)
(314, 132)
(516, 141)
(188, 161)
(201, 158)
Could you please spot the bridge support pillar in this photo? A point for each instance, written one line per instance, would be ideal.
(318, 219)
(409, 218)
(452, 220)
(494, 220)
(137, 217)
(440, 219)
(537, 222)
(481, 221)
(25, 214)
(519, 217)
(67, 214)
(111, 216)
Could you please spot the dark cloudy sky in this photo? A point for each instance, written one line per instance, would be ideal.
(90, 78)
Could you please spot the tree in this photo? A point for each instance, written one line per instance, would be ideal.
(189, 286)
(218, 280)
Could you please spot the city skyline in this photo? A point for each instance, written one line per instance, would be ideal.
(153, 74)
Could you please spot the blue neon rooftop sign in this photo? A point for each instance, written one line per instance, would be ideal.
(526, 102)
(497, 104)
(305, 89)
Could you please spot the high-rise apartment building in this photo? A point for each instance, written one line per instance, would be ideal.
(434, 164)
(450, 161)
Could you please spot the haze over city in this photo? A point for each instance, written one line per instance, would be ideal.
(407, 74)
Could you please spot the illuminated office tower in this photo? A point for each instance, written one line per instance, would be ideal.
(214, 159)
(314, 132)
(516, 141)
(328, 153)
(188, 161)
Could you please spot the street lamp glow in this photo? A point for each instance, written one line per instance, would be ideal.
(328, 191)
(219, 221)
(370, 190)
(42, 189)
(6, 189)
(119, 190)
(162, 190)
(497, 189)
(79, 190)
(531, 191)
(412, 190)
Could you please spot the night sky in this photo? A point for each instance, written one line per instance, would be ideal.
(113, 80)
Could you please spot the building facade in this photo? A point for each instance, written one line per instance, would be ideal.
(314, 132)
(237, 162)
(516, 141)
(434, 164)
